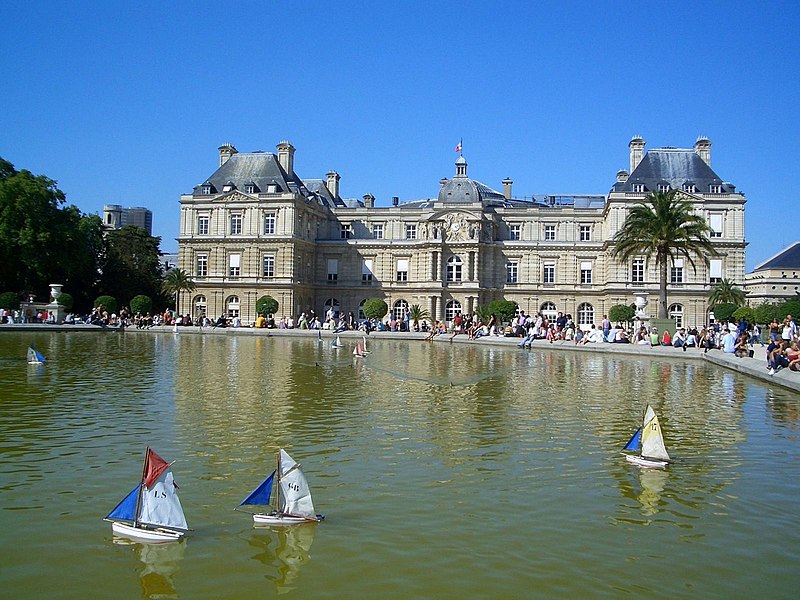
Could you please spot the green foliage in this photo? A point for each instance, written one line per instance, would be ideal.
(765, 313)
(266, 305)
(790, 307)
(723, 312)
(504, 309)
(9, 300)
(746, 313)
(141, 304)
(375, 308)
(177, 281)
(66, 300)
(109, 303)
(665, 226)
(483, 312)
(131, 264)
(621, 313)
(416, 313)
(726, 292)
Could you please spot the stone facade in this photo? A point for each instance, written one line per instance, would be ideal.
(775, 280)
(255, 228)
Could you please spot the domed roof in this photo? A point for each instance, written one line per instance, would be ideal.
(463, 190)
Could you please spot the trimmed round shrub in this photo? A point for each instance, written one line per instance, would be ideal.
(621, 313)
(66, 300)
(765, 313)
(723, 312)
(9, 300)
(141, 304)
(108, 302)
(375, 308)
(504, 309)
(266, 305)
(746, 313)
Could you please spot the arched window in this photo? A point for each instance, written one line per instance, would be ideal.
(232, 304)
(200, 305)
(548, 310)
(331, 303)
(454, 268)
(585, 315)
(676, 314)
(399, 309)
(452, 309)
(361, 314)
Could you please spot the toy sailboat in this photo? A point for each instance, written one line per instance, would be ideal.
(292, 503)
(364, 347)
(648, 443)
(337, 343)
(359, 350)
(319, 336)
(35, 357)
(152, 511)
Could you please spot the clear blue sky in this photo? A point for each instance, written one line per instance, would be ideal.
(127, 103)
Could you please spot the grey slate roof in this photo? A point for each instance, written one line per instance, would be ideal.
(788, 258)
(675, 166)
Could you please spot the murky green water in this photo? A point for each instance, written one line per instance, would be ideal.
(445, 471)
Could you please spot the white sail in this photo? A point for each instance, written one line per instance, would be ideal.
(295, 495)
(160, 505)
(652, 439)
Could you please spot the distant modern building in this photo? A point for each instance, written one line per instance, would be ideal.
(254, 227)
(116, 217)
(776, 279)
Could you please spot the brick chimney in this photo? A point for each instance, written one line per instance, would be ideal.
(332, 183)
(637, 151)
(286, 157)
(225, 152)
(369, 200)
(702, 148)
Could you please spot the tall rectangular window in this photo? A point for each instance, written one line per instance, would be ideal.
(549, 233)
(333, 269)
(676, 272)
(402, 269)
(585, 233)
(549, 274)
(236, 224)
(268, 266)
(515, 231)
(411, 231)
(714, 189)
(638, 188)
(586, 273)
(637, 270)
(234, 262)
(346, 231)
(202, 225)
(202, 265)
(269, 223)
(715, 270)
(377, 231)
(715, 222)
(366, 271)
(512, 271)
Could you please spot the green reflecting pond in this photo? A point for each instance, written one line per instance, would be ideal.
(445, 471)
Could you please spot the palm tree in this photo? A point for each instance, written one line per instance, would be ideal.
(726, 292)
(177, 281)
(666, 226)
(416, 314)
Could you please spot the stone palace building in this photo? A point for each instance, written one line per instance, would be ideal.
(254, 227)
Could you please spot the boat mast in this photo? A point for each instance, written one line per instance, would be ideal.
(141, 486)
(278, 487)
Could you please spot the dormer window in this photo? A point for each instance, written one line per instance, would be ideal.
(206, 188)
(715, 188)
(228, 187)
(272, 188)
(689, 187)
(663, 188)
(638, 188)
(250, 188)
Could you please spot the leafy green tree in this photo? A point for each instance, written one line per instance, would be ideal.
(668, 227)
(416, 314)
(266, 305)
(790, 307)
(132, 264)
(66, 300)
(765, 313)
(621, 313)
(746, 313)
(726, 292)
(723, 312)
(504, 309)
(483, 312)
(177, 281)
(375, 308)
(108, 302)
(141, 304)
(9, 300)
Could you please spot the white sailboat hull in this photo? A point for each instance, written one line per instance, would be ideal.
(141, 534)
(648, 463)
(282, 519)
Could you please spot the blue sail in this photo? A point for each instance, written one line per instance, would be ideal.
(260, 495)
(126, 510)
(39, 356)
(635, 441)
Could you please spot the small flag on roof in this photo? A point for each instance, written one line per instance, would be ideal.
(458, 145)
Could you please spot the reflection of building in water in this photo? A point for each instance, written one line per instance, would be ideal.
(292, 551)
(161, 562)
